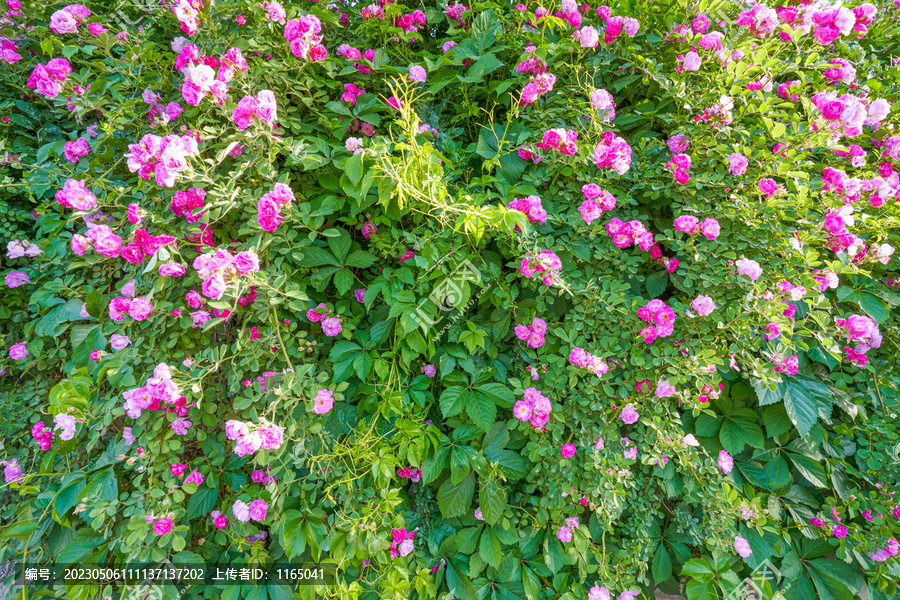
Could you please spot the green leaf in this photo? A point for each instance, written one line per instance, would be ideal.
(874, 307)
(314, 256)
(481, 410)
(732, 436)
(700, 590)
(489, 549)
(498, 393)
(776, 420)
(801, 408)
(454, 500)
(340, 244)
(812, 470)
(62, 313)
(768, 396)
(67, 497)
(554, 555)
(531, 583)
(459, 584)
(699, 569)
(360, 259)
(661, 568)
(454, 399)
(343, 280)
(492, 500)
(778, 472)
(362, 364)
(292, 538)
(707, 425)
(827, 583)
(656, 283)
(202, 502)
(486, 64)
(353, 167)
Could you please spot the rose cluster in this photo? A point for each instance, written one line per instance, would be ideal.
(612, 151)
(270, 205)
(596, 200)
(864, 331)
(331, 323)
(75, 195)
(67, 19)
(219, 268)
(691, 225)
(660, 317)
(534, 408)
(185, 202)
(47, 80)
(538, 86)
(625, 234)
(158, 391)
(534, 333)
(560, 139)
(261, 107)
(353, 54)
(680, 165)
(581, 358)
(250, 438)
(200, 77)
(305, 36)
(188, 14)
(255, 511)
(531, 207)
(602, 101)
(20, 248)
(402, 544)
(546, 263)
(162, 157)
(616, 25)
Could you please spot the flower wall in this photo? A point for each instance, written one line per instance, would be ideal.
(518, 302)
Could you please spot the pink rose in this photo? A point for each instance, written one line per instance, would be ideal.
(629, 415)
(272, 437)
(162, 526)
(213, 287)
(331, 326)
(704, 305)
(726, 463)
(140, 308)
(324, 400)
(246, 262)
(18, 351)
(737, 164)
(257, 510)
(172, 270)
(568, 450)
(750, 268)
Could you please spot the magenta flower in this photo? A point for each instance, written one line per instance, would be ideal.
(324, 400)
(742, 546)
(162, 526)
(726, 463)
(568, 450)
(750, 268)
(629, 415)
(704, 305)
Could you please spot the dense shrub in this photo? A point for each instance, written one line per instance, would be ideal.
(510, 302)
